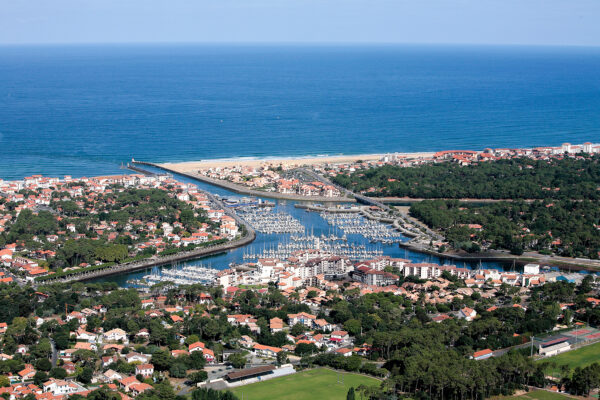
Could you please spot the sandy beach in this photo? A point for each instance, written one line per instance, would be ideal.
(290, 162)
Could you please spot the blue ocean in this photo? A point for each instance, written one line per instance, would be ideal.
(84, 110)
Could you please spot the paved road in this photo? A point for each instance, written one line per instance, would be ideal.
(54, 353)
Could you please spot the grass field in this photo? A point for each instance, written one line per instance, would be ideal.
(315, 384)
(578, 358)
(541, 395)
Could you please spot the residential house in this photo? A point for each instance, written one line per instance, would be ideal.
(115, 335)
(266, 351)
(145, 370)
(467, 314)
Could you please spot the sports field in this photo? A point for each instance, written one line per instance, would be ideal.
(578, 358)
(315, 384)
(541, 395)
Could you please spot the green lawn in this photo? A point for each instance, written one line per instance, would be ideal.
(578, 358)
(535, 395)
(542, 395)
(315, 384)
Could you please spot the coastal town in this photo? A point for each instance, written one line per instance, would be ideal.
(334, 299)
(300, 200)
(269, 324)
(271, 179)
(54, 226)
(282, 176)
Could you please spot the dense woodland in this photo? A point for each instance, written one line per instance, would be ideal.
(521, 178)
(565, 227)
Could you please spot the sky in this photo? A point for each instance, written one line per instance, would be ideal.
(517, 22)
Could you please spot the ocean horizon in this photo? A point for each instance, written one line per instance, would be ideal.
(85, 109)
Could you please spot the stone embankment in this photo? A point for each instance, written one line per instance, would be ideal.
(156, 261)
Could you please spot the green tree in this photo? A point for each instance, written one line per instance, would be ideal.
(58, 373)
(178, 370)
(161, 360)
(43, 348)
(350, 395)
(199, 376)
(297, 329)
(39, 378)
(43, 364)
(237, 360)
(61, 340)
(282, 357)
(303, 349)
(85, 376)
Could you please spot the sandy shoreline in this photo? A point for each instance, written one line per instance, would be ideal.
(290, 161)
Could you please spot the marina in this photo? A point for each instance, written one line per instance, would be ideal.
(313, 224)
(177, 275)
(373, 230)
(235, 202)
(330, 245)
(269, 221)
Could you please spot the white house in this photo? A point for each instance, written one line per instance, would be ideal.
(137, 357)
(77, 315)
(111, 375)
(115, 335)
(82, 334)
(266, 351)
(467, 314)
(339, 336)
(197, 346)
(59, 387)
(533, 269)
(146, 370)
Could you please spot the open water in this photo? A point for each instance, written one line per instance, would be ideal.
(83, 110)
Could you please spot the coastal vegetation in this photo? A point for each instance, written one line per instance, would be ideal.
(517, 178)
(568, 228)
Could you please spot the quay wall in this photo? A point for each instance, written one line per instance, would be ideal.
(243, 190)
(562, 263)
(155, 261)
